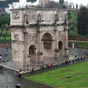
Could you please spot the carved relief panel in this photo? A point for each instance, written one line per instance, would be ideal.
(16, 37)
(15, 15)
(31, 37)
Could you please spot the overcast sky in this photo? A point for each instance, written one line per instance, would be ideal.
(77, 1)
(23, 2)
(84, 2)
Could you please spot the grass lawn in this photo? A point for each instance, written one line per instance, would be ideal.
(72, 76)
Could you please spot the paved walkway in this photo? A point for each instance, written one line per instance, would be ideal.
(9, 79)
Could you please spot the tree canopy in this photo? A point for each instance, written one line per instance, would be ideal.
(4, 20)
(82, 21)
(31, 1)
(61, 2)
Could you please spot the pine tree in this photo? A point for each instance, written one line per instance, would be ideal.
(61, 2)
(82, 21)
(31, 1)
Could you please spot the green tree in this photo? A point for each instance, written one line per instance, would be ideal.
(4, 20)
(72, 17)
(61, 2)
(31, 1)
(82, 21)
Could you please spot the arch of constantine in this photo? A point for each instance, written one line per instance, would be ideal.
(39, 36)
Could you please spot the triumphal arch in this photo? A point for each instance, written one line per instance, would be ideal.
(39, 36)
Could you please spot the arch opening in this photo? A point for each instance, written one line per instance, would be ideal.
(32, 54)
(32, 50)
(47, 41)
(60, 45)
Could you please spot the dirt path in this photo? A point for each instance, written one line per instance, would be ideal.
(78, 38)
(5, 45)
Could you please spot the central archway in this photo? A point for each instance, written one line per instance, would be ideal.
(47, 41)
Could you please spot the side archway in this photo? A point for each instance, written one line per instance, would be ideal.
(32, 50)
(60, 45)
(32, 54)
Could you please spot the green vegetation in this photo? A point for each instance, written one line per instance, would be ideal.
(73, 24)
(4, 39)
(8, 40)
(5, 35)
(79, 44)
(82, 21)
(78, 22)
(73, 76)
(31, 1)
(4, 20)
(61, 2)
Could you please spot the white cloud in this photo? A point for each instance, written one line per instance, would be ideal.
(84, 2)
(74, 1)
(22, 3)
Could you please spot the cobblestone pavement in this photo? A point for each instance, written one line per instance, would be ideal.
(5, 53)
(9, 79)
